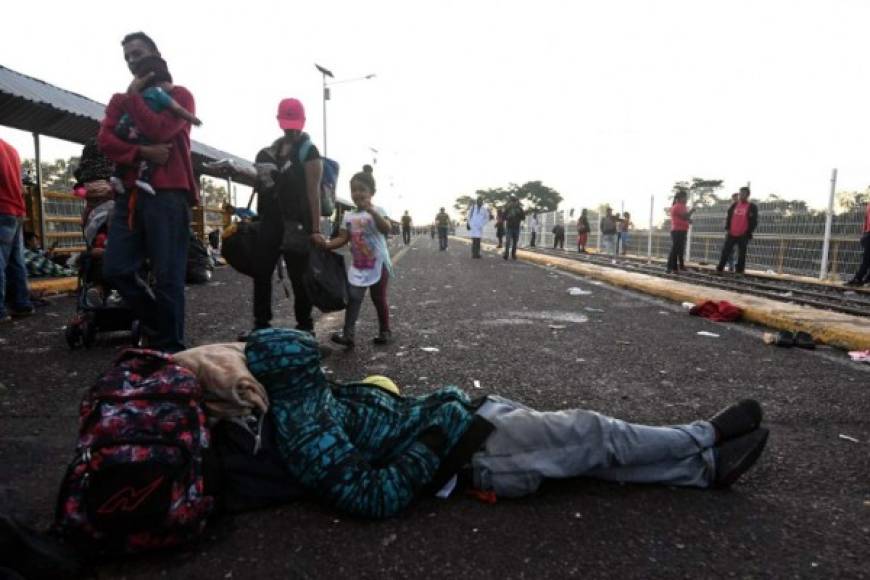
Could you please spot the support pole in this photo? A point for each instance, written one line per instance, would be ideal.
(823, 271)
(40, 200)
(689, 233)
(652, 203)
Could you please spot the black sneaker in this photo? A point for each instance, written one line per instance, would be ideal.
(737, 419)
(383, 337)
(804, 340)
(339, 338)
(854, 282)
(735, 457)
(784, 338)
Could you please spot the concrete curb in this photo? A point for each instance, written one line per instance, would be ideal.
(833, 328)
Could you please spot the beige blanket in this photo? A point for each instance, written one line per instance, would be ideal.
(230, 389)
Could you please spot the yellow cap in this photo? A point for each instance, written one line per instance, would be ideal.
(386, 383)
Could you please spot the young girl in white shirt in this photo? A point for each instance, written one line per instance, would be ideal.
(365, 229)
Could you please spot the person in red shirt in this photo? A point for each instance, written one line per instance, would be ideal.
(156, 227)
(681, 217)
(739, 225)
(861, 276)
(13, 271)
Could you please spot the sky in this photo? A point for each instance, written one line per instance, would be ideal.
(607, 102)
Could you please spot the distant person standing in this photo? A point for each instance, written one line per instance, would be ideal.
(499, 227)
(681, 217)
(13, 270)
(741, 222)
(734, 197)
(513, 216)
(608, 232)
(582, 232)
(145, 226)
(478, 217)
(442, 221)
(861, 276)
(558, 237)
(627, 226)
(534, 226)
(406, 228)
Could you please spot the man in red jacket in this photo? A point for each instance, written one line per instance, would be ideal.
(13, 273)
(154, 226)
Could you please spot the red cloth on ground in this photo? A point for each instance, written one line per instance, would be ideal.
(11, 190)
(722, 311)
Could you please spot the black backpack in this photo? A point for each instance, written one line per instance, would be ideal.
(325, 280)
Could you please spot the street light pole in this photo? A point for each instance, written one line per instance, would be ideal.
(325, 72)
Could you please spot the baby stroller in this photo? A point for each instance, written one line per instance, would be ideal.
(98, 308)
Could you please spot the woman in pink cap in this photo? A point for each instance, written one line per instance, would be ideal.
(288, 180)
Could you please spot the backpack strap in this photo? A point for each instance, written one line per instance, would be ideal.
(304, 149)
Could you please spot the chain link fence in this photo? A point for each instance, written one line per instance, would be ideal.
(789, 239)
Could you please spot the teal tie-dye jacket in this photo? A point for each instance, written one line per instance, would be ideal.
(353, 445)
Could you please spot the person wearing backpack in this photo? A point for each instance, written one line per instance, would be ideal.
(289, 172)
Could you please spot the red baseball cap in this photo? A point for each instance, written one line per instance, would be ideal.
(291, 114)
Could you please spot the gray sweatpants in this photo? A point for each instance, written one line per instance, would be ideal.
(528, 446)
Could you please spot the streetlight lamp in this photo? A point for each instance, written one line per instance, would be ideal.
(325, 72)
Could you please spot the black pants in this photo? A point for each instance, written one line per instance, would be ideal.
(730, 241)
(406, 235)
(267, 258)
(532, 242)
(475, 247)
(861, 274)
(442, 238)
(678, 250)
(510, 246)
(559, 241)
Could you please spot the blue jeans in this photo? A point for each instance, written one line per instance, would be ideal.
(13, 271)
(528, 446)
(513, 238)
(161, 233)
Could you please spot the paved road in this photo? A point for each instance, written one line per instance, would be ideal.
(804, 511)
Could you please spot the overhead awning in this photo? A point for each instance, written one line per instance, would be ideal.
(36, 106)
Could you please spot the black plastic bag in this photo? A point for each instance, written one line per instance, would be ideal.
(199, 266)
(240, 246)
(325, 280)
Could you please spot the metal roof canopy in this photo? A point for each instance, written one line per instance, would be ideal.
(40, 108)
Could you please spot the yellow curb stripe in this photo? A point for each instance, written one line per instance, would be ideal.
(45, 286)
(833, 328)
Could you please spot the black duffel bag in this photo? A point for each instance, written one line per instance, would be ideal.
(240, 246)
(325, 280)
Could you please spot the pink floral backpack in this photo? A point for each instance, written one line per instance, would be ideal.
(136, 482)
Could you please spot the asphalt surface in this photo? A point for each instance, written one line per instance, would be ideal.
(803, 511)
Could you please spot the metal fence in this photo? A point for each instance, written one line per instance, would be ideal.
(789, 239)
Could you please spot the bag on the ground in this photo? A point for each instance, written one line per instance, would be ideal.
(253, 475)
(199, 266)
(328, 180)
(240, 246)
(325, 280)
(136, 482)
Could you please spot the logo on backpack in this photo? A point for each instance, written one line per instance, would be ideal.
(128, 499)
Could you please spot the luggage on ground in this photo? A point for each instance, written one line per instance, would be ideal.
(136, 482)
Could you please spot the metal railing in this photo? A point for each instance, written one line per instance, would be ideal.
(790, 238)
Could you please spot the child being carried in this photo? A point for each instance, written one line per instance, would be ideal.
(156, 96)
